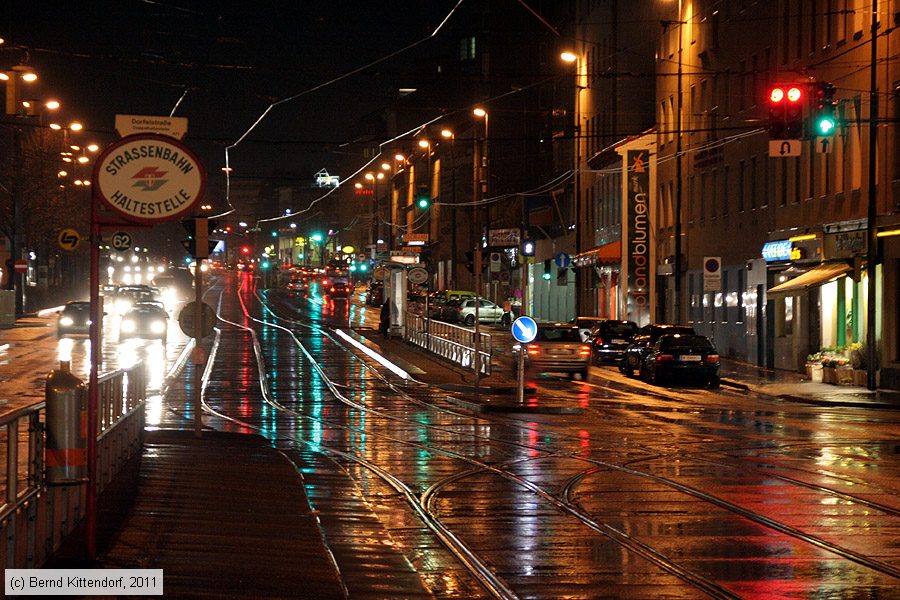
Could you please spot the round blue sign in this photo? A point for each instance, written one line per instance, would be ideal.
(524, 330)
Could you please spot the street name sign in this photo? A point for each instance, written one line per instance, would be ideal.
(149, 178)
(524, 330)
(68, 239)
(785, 148)
(175, 127)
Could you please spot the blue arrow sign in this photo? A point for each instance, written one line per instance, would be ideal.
(524, 330)
(563, 260)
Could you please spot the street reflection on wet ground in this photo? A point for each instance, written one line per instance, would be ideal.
(647, 493)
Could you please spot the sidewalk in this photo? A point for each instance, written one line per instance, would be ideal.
(793, 386)
(224, 516)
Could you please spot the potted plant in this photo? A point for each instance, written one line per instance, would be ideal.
(858, 363)
(843, 371)
(814, 367)
(829, 370)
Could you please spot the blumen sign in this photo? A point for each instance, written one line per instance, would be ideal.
(638, 250)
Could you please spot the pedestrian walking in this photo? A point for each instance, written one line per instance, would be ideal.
(385, 324)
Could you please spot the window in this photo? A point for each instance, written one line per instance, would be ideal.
(467, 48)
(741, 305)
(753, 185)
(726, 197)
(714, 195)
(742, 173)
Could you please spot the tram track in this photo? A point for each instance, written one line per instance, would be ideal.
(564, 504)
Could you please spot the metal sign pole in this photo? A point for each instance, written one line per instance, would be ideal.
(93, 388)
(521, 383)
(478, 292)
(198, 351)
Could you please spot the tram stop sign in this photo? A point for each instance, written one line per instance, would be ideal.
(524, 330)
(208, 320)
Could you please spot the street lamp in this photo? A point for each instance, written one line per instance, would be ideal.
(448, 134)
(572, 58)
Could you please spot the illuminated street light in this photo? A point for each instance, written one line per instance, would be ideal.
(446, 133)
(399, 157)
(370, 176)
(358, 185)
(424, 144)
(569, 57)
(83, 159)
(55, 126)
(93, 147)
(385, 167)
(51, 104)
(479, 112)
(76, 126)
(29, 77)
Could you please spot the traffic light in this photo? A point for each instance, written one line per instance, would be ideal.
(245, 250)
(786, 112)
(824, 122)
(470, 263)
(198, 242)
(547, 270)
(528, 248)
(423, 202)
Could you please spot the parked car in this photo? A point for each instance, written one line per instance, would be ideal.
(144, 320)
(557, 348)
(375, 293)
(586, 325)
(609, 339)
(463, 312)
(74, 318)
(680, 357)
(643, 342)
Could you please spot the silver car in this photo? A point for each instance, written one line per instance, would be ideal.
(463, 312)
(557, 348)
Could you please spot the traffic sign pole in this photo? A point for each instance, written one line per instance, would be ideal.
(520, 385)
(524, 330)
(198, 334)
(93, 388)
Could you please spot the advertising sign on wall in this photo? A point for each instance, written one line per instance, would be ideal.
(639, 246)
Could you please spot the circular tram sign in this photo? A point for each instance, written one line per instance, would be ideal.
(149, 178)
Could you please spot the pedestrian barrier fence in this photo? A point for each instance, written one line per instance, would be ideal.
(456, 344)
(35, 517)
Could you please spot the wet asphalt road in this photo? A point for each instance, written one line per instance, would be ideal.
(648, 492)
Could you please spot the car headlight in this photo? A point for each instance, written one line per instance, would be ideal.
(127, 325)
(157, 326)
(123, 306)
(66, 322)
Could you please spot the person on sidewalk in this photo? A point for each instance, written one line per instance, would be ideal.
(385, 324)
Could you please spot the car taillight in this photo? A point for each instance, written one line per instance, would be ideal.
(664, 357)
(533, 349)
(459, 308)
(324, 282)
(712, 358)
(332, 289)
(585, 351)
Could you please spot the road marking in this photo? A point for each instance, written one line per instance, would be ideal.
(384, 361)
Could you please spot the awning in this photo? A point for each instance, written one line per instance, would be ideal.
(815, 276)
(607, 254)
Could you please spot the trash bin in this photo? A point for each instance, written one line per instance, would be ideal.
(65, 456)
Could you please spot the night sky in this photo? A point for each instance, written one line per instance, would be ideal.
(233, 58)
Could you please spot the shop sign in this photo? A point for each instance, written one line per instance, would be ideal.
(845, 244)
(504, 238)
(778, 250)
(639, 227)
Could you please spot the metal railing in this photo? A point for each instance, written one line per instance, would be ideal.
(456, 344)
(31, 509)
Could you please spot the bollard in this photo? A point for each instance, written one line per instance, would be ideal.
(65, 461)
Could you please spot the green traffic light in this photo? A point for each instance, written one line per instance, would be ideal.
(353, 268)
(265, 264)
(316, 237)
(363, 267)
(423, 203)
(825, 126)
(546, 276)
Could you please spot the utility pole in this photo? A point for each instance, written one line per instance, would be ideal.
(678, 267)
(872, 214)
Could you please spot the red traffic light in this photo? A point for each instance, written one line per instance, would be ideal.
(794, 94)
(776, 95)
(228, 229)
(246, 249)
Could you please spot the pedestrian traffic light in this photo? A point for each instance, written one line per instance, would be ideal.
(786, 112)
(197, 244)
(528, 248)
(547, 269)
(824, 121)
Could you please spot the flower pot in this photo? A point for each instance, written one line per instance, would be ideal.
(860, 377)
(829, 375)
(814, 372)
(844, 375)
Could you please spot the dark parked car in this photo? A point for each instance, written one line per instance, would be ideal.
(144, 320)
(682, 357)
(610, 338)
(643, 342)
(375, 293)
(557, 348)
(74, 318)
